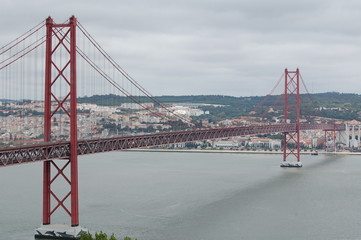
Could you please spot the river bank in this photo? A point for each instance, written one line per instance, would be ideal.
(235, 151)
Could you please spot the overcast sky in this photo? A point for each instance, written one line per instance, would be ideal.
(228, 47)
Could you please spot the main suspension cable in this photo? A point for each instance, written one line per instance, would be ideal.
(125, 74)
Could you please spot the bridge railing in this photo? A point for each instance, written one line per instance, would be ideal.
(49, 151)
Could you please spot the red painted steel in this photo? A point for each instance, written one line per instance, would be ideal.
(64, 36)
(56, 150)
(73, 127)
(47, 122)
(292, 105)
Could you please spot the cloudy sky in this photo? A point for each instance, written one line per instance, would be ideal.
(229, 47)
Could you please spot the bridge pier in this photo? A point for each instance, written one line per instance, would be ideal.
(348, 136)
(286, 164)
(330, 140)
(59, 231)
(342, 137)
(355, 143)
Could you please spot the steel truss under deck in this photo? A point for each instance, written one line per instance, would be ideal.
(50, 151)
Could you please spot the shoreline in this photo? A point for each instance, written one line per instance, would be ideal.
(232, 151)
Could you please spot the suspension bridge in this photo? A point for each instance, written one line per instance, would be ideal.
(54, 65)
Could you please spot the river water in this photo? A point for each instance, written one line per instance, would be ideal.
(178, 196)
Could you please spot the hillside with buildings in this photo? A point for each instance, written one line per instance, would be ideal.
(343, 106)
(111, 115)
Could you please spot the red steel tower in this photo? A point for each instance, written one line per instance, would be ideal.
(291, 112)
(60, 70)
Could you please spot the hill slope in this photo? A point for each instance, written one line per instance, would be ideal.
(345, 106)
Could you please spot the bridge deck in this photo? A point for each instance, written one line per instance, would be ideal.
(49, 151)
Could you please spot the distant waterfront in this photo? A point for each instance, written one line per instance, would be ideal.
(236, 151)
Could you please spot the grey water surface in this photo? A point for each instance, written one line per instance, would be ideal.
(178, 196)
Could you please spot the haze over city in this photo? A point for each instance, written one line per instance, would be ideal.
(223, 47)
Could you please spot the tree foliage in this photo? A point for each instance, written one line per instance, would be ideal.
(100, 236)
(344, 106)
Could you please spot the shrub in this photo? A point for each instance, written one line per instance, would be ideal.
(100, 236)
(86, 236)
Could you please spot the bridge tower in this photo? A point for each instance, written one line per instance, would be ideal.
(291, 112)
(60, 73)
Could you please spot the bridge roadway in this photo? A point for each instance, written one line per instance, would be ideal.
(61, 150)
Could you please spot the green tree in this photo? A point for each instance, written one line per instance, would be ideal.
(101, 236)
(86, 236)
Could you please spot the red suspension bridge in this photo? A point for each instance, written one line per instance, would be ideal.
(62, 79)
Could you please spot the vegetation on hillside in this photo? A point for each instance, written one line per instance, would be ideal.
(343, 106)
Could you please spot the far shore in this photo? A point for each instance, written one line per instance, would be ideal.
(234, 151)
